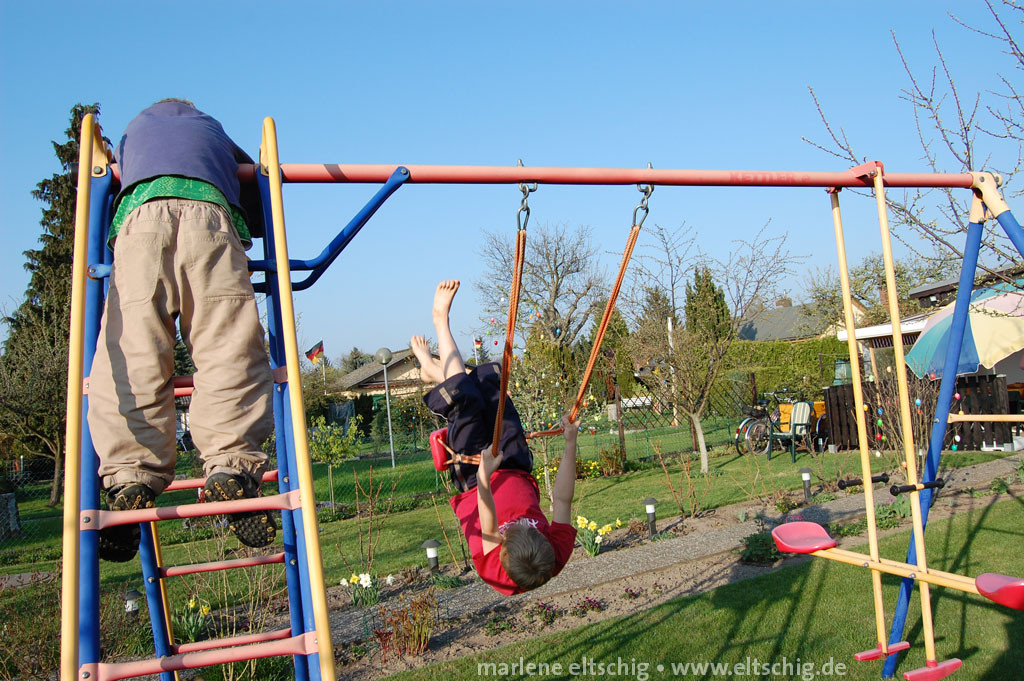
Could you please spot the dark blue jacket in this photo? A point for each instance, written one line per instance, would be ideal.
(171, 138)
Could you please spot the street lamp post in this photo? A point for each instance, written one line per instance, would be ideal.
(384, 356)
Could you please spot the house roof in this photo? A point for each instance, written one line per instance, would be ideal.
(932, 294)
(371, 369)
(912, 324)
(784, 323)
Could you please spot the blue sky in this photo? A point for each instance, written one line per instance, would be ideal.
(677, 84)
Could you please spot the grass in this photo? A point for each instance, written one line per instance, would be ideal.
(816, 611)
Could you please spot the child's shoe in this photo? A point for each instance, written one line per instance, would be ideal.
(253, 528)
(120, 542)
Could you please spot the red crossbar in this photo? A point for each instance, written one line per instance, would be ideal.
(304, 644)
(251, 561)
(434, 174)
(276, 635)
(94, 520)
(196, 483)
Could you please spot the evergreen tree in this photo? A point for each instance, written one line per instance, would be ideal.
(33, 362)
(707, 314)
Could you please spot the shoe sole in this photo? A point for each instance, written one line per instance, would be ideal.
(253, 528)
(119, 544)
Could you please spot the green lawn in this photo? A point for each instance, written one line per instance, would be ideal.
(815, 612)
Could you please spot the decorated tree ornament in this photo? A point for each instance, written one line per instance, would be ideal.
(880, 411)
(878, 454)
(495, 342)
(954, 448)
(917, 402)
(492, 320)
(956, 396)
(866, 407)
(883, 438)
(956, 438)
(878, 436)
(878, 422)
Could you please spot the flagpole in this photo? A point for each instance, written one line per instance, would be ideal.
(323, 368)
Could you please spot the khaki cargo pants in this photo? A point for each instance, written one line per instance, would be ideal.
(179, 259)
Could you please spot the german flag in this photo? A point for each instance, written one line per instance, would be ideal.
(315, 353)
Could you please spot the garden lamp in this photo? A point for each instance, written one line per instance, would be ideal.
(431, 546)
(131, 600)
(383, 355)
(805, 475)
(649, 504)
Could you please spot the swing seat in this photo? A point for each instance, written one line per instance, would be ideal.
(876, 652)
(802, 537)
(438, 440)
(1002, 589)
(934, 671)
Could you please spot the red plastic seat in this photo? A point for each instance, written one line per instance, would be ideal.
(802, 537)
(934, 671)
(876, 652)
(438, 440)
(1002, 589)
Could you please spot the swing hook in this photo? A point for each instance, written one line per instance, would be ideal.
(647, 190)
(523, 214)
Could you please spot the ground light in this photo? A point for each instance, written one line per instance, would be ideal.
(805, 475)
(649, 505)
(431, 546)
(131, 600)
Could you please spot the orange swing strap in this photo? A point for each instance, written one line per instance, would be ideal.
(606, 318)
(522, 218)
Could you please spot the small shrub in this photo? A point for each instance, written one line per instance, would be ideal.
(785, 503)
(823, 497)
(1000, 486)
(848, 529)
(742, 516)
(543, 613)
(636, 527)
(411, 624)
(191, 623)
(1020, 469)
(498, 625)
(585, 605)
(364, 588)
(587, 469)
(611, 462)
(759, 549)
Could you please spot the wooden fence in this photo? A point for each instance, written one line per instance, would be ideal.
(977, 395)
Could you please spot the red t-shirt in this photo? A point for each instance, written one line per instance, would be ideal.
(516, 495)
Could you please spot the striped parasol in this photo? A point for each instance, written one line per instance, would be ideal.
(995, 329)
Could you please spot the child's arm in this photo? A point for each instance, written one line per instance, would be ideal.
(485, 501)
(565, 481)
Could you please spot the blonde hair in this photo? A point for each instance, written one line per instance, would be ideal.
(527, 556)
(177, 100)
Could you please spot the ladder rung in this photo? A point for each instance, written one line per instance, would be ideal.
(245, 639)
(304, 644)
(196, 483)
(251, 561)
(96, 520)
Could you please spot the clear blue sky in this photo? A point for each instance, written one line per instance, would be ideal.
(677, 84)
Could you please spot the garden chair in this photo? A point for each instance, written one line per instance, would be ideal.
(800, 422)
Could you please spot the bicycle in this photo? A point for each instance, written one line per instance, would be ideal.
(752, 414)
(761, 434)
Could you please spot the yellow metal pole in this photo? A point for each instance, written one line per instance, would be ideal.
(73, 415)
(168, 620)
(862, 431)
(944, 579)
(905, 419)
(314, 559)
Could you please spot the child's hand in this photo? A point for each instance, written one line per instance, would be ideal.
(570, 428)
(488, 463)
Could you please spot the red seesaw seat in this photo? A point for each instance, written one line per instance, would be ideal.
(438, 440)
(802, 537)
(876, 652)
(1002, 589)
(934, 671)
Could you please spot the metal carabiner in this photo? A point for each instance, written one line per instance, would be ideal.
(524, 207)
(647, 190)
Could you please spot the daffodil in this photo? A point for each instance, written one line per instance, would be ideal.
(618, 523)
(354, 579)
(191, 604)
(390, 580)
(598, 538)
(592, 526)
(205, 610)
(365, 580)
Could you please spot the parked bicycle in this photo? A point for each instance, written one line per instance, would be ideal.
(751, 414)
(762, 433)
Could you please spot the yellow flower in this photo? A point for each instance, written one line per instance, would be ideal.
(618, 523)
(354, 579)
(606, 529)
(205, 610)
(191, 604)
(581, 522)
(592, 526)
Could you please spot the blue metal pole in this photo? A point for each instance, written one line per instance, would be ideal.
(320, 263)
(88, 567)
(1013, 230)
(286, 482)
(938, 434)
(154, 597)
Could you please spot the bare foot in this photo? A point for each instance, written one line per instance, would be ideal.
(430, 371)
(443, 299)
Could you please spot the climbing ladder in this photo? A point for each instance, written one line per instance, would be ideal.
(307, 638)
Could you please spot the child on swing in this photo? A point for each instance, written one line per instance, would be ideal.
(514, 547)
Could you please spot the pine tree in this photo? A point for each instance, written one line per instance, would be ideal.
(34, 358)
